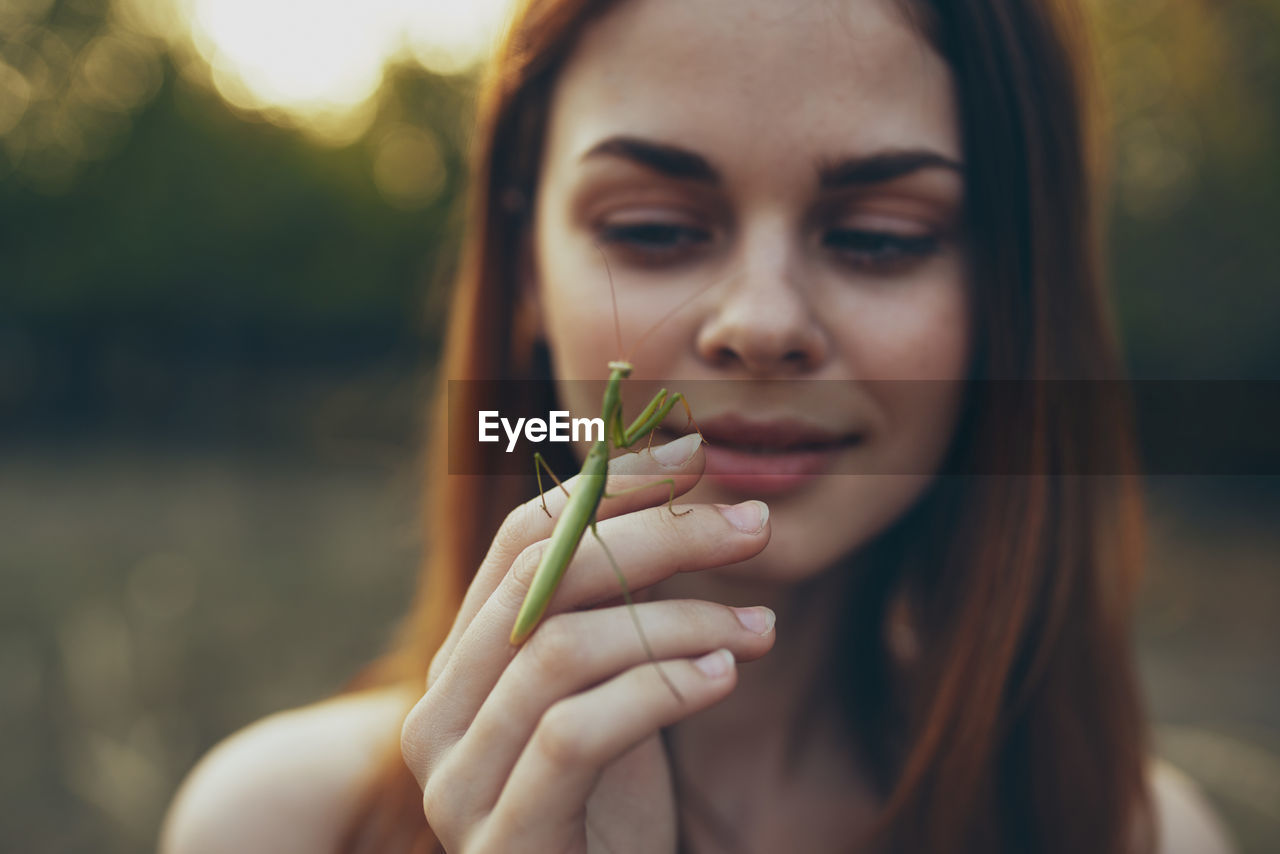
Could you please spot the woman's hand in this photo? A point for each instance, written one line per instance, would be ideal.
(553, 747)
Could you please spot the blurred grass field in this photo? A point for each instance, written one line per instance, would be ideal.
(155, 601)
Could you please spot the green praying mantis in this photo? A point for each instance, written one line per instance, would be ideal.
(579, 512)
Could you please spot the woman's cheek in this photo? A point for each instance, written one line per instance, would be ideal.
(918, 332)
(581, 341)
(912, 347)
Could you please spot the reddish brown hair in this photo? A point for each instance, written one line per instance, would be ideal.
(1018, 727)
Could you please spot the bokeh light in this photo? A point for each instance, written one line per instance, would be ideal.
(72, 75)
(408, 167)
(449, 37)
(318, 65)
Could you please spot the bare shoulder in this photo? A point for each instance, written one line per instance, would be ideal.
(287, 782)
(1186, 821)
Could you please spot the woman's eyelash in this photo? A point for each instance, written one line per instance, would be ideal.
(880, 248)
(654, 235)
(863, 248)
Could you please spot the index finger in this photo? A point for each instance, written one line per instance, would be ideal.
(680, 460)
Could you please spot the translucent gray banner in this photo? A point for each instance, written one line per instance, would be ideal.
(1059, 427)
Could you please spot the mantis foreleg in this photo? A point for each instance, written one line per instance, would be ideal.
(653, 415)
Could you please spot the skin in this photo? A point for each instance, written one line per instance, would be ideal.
(555, 746)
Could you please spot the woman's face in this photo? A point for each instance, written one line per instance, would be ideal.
(777, 188)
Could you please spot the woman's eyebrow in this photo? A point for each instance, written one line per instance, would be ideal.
(880, 167)
(862, 170)
(669, 160)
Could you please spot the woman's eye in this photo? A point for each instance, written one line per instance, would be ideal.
(880, 250)
(654, 237)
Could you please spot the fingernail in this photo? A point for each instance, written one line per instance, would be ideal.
(748, 517)
(715, 664)
(758, 620)
(677, 452)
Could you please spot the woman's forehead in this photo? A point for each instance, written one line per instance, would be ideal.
(755, 82)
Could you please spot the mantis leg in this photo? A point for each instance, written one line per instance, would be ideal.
(646, 416)
(631, 609)
(654, 414)
(539, 461)
(671, 485)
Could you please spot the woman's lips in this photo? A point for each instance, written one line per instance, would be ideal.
(771, 456)
(755, 473)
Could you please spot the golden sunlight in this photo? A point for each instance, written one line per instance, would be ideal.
(318, 64)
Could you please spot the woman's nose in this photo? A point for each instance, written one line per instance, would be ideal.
(764, 322)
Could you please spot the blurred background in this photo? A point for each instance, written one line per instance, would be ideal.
(224, 226)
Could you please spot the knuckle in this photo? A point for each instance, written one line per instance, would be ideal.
(423, 741)
(558, 737)
(553, 648)
(726, 619)
(696, 614)
(435, 669)
(449, 804)
(620, 478)
(666, 530)
(715, 615)
(525, 566)
(420, 744)
(512, 535)
(412, 747)
(515, 525)
(435, 800)
(442, 812)
(440, 661)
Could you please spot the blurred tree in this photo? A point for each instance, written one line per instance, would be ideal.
(146, 221)
(1195, 98)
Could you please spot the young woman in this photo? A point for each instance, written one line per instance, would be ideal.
(891, 198)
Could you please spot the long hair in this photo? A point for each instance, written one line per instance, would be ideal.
(1018, 725)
